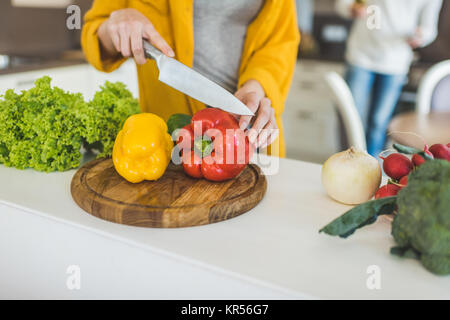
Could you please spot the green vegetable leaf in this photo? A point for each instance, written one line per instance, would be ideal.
(405, 149)
(105, 115)
(45, 127)
(425, 155)
(178, 121)
(360, 216)
(410, 150)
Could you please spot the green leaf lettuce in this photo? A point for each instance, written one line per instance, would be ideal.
(45, 127)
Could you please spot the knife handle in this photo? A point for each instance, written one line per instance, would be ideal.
(150, 51)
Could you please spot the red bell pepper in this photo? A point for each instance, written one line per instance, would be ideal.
(213, 146)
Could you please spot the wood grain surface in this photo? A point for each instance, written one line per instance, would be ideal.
(175, 200)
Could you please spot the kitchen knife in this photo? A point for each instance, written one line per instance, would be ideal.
(190, 82)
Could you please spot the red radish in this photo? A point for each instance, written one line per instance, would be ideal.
(388, 190)
(403, 181)
(440, 151)
(397, 166)
(418, 160)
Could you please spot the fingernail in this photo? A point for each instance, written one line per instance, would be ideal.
(244, 125)
(171, 53)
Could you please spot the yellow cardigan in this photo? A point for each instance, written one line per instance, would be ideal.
(269, 55)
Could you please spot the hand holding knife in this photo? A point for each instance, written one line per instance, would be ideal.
(197, 86)
(122, 34)
(190, 82)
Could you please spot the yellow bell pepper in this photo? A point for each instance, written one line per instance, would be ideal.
(143, 148)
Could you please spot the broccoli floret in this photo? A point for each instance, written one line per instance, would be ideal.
(422, 224)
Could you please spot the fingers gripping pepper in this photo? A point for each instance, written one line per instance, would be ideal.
(142, 148)
(213, 146)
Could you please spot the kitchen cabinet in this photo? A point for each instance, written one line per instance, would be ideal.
(81, 78)
(310, 120)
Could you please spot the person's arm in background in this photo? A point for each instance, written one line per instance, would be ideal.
(427, 29)
(350, 9)
(265, 81)
(112, 33)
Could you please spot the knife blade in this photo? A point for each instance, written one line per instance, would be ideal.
(190, 82)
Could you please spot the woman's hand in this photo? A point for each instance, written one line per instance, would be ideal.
(123, 32)
(253, 96)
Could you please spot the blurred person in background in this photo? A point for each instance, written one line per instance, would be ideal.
(305, 17)
(379, 55)
(247, 47)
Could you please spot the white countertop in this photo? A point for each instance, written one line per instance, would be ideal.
(274, 246)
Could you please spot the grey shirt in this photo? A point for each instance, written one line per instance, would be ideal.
(220, 29)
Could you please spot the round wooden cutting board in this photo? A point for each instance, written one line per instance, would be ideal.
(175, 200)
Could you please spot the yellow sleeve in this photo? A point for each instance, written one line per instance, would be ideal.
(99, 13)
(273, 64)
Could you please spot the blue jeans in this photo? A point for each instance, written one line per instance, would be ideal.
(376, 96)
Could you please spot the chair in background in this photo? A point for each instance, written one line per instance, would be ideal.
(354, 129)
(434, 89)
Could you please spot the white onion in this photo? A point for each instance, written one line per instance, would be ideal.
(351, 177)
